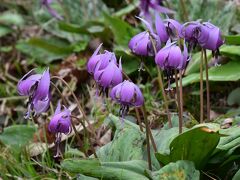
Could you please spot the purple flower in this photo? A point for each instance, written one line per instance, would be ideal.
(37, 88)
(141, 44)
(102, 59)
(214, 40)
(110, 76)
(127, 94)
(156, 5)
(174, 29)
(60, 123)
(47, 5)
(161, 29)
(171, 57)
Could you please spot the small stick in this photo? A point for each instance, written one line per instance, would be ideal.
(207, 85)
(147, 139)
(138, 119)
(143, 109)
(74, 128)
(178, 104)
(201, 88)
(160, 82)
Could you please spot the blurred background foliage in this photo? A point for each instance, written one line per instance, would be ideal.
(30, 37)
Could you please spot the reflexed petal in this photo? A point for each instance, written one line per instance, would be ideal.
(43, 85)
(161, 29)
(25, 86)
(147, 24)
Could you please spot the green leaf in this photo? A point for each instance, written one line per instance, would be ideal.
(230, 51)
(122, 31)
(130, 62)
(129, 170)
(181, 170)
(237, 175)
(10, 18)
(226, 72)
(17, 136)
(234, 97)
(4, 30)
(51, 47)
(126, 145)
(232, 39)
(196, 144)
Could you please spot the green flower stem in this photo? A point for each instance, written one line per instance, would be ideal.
(201, 88)
(207, 86)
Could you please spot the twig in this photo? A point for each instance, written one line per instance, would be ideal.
(178, 104)
(160, 82)
(201, 88)
(207, 86)
(147, 139)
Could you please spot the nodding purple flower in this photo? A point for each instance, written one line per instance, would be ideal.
(171, 57)
(102, 60)
(60, 123)
(127, 94)
(108, 77)
(37, 88)
(156, 5)
(47, 5)
(206, 35)
(141, 43)
(173, 28)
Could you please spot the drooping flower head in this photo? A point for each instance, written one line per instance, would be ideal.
(204, 34)
(141, 43)
(37, 88)
(127, 94)
(47, 5)
(170, 58)
(173, 28)
(109, 76)
(102, 60)
(156, 5)
(60, 123)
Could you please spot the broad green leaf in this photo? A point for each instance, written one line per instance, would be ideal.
(180, 170)
(232, 39)
(194, 64)
(226, 72)
(231, 51)
(234, 97)
(82, 177)
(10, 18)
(4, 30)
(195, 145)
(126, 145)
(237, 175)
(122, 31)
(51, 47)
(17, 136)
(129, 170)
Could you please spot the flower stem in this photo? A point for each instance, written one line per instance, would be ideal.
(207, 85)
(143, 109)
(78, 104)
(147, 139)
(138, 119)
(185, 14)
(178, 104)
(181, 94)
(201, 88)
(80, 110)
(160, 82)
